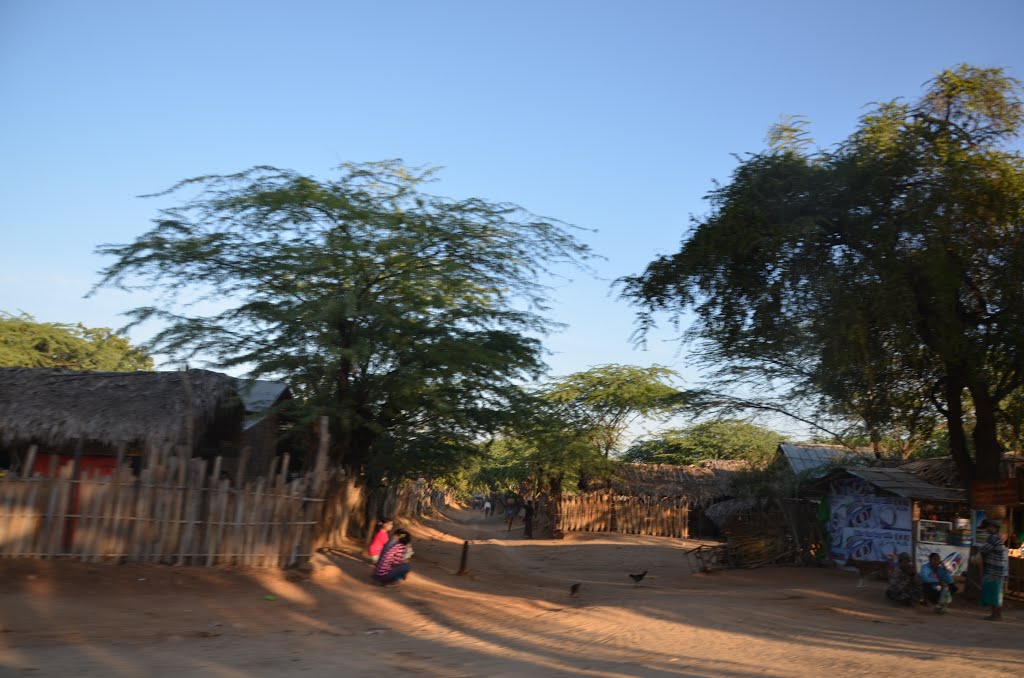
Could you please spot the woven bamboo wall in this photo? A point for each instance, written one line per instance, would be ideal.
(177, 511)
(666, 517)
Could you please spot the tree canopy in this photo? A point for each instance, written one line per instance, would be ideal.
(408, 318)
(882, 276)
(24, 342)
(605, 400)
(717, 439)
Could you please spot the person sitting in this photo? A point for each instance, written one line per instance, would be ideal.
(936, 580)
(903, 588)
(380, 538)
(392, 566)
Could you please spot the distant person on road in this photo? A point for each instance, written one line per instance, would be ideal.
(392, 566)
(381, 535)
(511, 510)
(528, 520)
(995, 571)
(488, 509)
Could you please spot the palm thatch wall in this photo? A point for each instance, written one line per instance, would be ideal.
(59, 408)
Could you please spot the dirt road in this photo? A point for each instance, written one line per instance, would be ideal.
(513, 616)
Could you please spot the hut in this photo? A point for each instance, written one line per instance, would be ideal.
(877, 513)
(702, 484)
(264, 425)
(682, 491)
(1010, 509)
(96, 418)
(814, 460)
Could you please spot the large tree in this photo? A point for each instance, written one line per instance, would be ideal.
(883, 272)
(406, 317)
(25, 342)
(607, 399)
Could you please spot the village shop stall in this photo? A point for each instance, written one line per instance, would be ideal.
(877, 513)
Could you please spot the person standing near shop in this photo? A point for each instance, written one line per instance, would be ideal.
(995, 571)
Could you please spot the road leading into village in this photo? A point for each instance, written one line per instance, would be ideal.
(512, 616)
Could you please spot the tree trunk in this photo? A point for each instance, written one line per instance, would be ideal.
(988, 452)
(953, 392)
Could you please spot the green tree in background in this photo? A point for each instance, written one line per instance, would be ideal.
(605, 400)
(720, 439)
(24, 342)
(543, 450)
(408, 318)
(883, 275)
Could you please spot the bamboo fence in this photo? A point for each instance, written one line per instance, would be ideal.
(177, 511)
(666, 517)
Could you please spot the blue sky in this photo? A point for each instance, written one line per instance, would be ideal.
(615, 116)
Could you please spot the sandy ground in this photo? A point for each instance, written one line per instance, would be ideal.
(513, 616)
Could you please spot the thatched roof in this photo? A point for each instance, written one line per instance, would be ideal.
(60, 407)
(721, 512)
(942, 471)
(701, 483)
(939, 471)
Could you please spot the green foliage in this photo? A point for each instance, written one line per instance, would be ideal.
(27, 343)
(878, 280)
(604, 400)
(721, 439)
(406, 317)
(544, 449)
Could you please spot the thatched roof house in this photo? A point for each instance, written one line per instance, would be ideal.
(702, 484)
(60, 410)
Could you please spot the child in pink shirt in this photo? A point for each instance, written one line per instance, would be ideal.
(380, 538)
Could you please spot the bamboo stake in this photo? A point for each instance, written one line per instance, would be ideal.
(30, 462)
(26, 518)
(7, 488)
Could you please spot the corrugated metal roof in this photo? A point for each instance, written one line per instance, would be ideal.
(905, 484)
(811, 458)
(258, 397)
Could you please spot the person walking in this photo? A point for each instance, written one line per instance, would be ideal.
(528, 520)
(488, 508)
(995, 570)
(510, 512)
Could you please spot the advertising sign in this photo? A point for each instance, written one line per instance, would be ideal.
(955, 558)
(868, 527)
(1000, 493)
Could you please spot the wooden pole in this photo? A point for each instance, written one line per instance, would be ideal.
(76, 470)
(463, 569)
(30, 462)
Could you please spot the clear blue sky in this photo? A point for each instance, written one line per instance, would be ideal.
(615, 116)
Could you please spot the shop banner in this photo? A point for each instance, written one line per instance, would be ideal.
(955, 558)
(869, 528)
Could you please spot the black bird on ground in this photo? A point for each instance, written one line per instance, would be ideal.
(574, 589)
(637, 578)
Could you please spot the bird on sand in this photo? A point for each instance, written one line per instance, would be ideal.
(574, 589)
(637, 578)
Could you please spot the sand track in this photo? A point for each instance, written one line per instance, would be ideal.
(512, 616)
